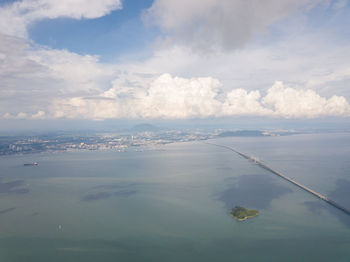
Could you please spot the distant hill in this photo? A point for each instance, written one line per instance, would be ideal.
(145, 128)
(242, 133)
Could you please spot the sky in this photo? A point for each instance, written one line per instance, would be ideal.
(175, 60)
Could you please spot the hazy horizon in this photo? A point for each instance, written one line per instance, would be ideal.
(251, 123)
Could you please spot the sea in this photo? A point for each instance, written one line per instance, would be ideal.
(173, 202)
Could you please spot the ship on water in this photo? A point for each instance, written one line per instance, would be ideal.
(31, 164)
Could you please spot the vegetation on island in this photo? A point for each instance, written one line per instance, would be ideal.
(241, 213)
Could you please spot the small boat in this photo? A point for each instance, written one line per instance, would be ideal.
(31, 164)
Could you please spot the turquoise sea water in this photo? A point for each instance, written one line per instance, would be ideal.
(173, 204)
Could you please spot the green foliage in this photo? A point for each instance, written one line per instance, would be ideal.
(242, 213)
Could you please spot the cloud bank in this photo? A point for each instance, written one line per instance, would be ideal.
(42, 83)
(170, 97)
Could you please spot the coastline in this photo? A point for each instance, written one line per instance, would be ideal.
(243, 219)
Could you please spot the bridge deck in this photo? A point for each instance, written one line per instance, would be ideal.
(307, 189)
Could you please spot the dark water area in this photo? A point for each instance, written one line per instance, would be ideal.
(116, 186)
(4, 211)
(12, 187)
(123, 190)
(177, 249)
(97, 196)
(173, 205)
(340, 194)
(103, 195)
(253, 191)
(125, 193)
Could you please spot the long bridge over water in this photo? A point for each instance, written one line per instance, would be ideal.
(305, 188)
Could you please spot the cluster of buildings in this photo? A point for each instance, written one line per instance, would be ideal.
(103, 141)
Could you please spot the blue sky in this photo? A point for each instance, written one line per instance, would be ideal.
(174, 60)
(109, 36)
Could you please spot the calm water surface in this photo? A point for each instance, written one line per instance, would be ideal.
(174, 204)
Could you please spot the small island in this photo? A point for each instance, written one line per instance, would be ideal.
(241, 213)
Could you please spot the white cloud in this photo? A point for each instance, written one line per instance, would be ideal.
(170, 97)
(15, 17)
(330, 77)
(23, 115)
(65, 84)
(242, 102)
(298, 103)
(79, 72)
(39, 82)
(39, 115)
(167, 97)
(222, 24)
(32, 76)
(174, 97)
(322, 66)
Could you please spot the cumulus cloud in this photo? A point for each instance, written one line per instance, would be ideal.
(167, 97)
(16, 16)
(39, 115)
(39, 83)
(175, 97)
(22, 115)
(322, 66)
(170, 97)
(291, 103)
(242, 102)
(223, 24)
(31, 76)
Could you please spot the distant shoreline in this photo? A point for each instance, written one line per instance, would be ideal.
(243, 219)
